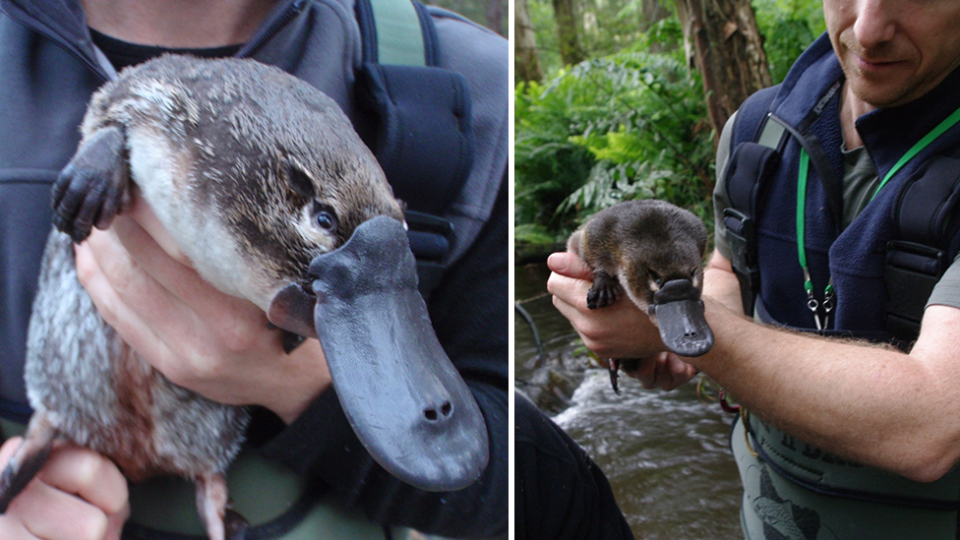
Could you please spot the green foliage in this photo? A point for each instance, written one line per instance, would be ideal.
(604, 27)
(626, 126)
(545, 29)
(788, 27)
(548, 164)
(533, 234)
(630, 123)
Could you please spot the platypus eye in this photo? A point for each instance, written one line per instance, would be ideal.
(325, 217)
(656, 278)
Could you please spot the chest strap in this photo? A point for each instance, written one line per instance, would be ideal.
(749, 164)
(423, 137)
(927, 221)
(927, 218)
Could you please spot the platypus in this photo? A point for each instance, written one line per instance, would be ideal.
(653, 251)
(269, 192)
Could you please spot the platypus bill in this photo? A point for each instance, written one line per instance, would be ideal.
(270, 193)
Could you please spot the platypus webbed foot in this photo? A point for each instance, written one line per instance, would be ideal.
(28, 459)
(90, 190)
(605, 290)
(614, 366)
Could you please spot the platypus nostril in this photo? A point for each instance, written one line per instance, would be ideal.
(432, 415)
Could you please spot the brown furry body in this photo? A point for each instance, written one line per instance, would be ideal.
(637, 246)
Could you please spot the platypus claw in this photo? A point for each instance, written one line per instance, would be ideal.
(27, 459)
(235, 526)
(614, 367)
(605, 290)
(90, 189)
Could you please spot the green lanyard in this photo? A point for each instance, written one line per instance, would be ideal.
(828, 292)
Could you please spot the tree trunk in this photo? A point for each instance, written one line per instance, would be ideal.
(567, 34)
(526, 61)
(495, 16)
(723, 39)
(653, 12)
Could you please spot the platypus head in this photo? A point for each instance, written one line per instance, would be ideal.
(670, 261)
(266, 187)
(662, 272)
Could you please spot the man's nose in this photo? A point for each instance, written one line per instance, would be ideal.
(876, 22)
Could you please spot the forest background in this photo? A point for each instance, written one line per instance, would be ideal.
(625, 99)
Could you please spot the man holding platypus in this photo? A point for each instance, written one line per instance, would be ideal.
(836, 215)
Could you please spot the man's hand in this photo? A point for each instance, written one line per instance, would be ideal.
(77, 495)
(214, 344)
(663, 370)
(616, 331)
(619, 330)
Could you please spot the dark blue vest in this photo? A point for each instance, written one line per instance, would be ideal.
(808, 103)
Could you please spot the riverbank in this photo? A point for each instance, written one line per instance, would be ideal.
(666, 453)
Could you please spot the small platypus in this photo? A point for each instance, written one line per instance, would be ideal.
(653, 251)
(269, 192)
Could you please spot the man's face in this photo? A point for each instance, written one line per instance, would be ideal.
(894, 51)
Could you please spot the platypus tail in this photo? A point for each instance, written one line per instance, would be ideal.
(28, 458)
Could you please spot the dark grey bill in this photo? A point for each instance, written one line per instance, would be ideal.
(404, 399)
(680, 317)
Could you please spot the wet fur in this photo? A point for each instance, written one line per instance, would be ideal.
(233, 157)
(631, 244)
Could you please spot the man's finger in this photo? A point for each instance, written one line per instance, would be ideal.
(52, 514)
(88, 475)
(141, 213)
(569, 265)
(174, 278)
(571, 290)
(114, 309)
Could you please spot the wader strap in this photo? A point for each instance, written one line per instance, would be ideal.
(423, 137)
(927, 219)
(749, 164)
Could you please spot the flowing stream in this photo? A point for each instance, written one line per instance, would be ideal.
(666, 453)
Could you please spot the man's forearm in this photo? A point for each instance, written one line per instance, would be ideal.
(869, 403)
